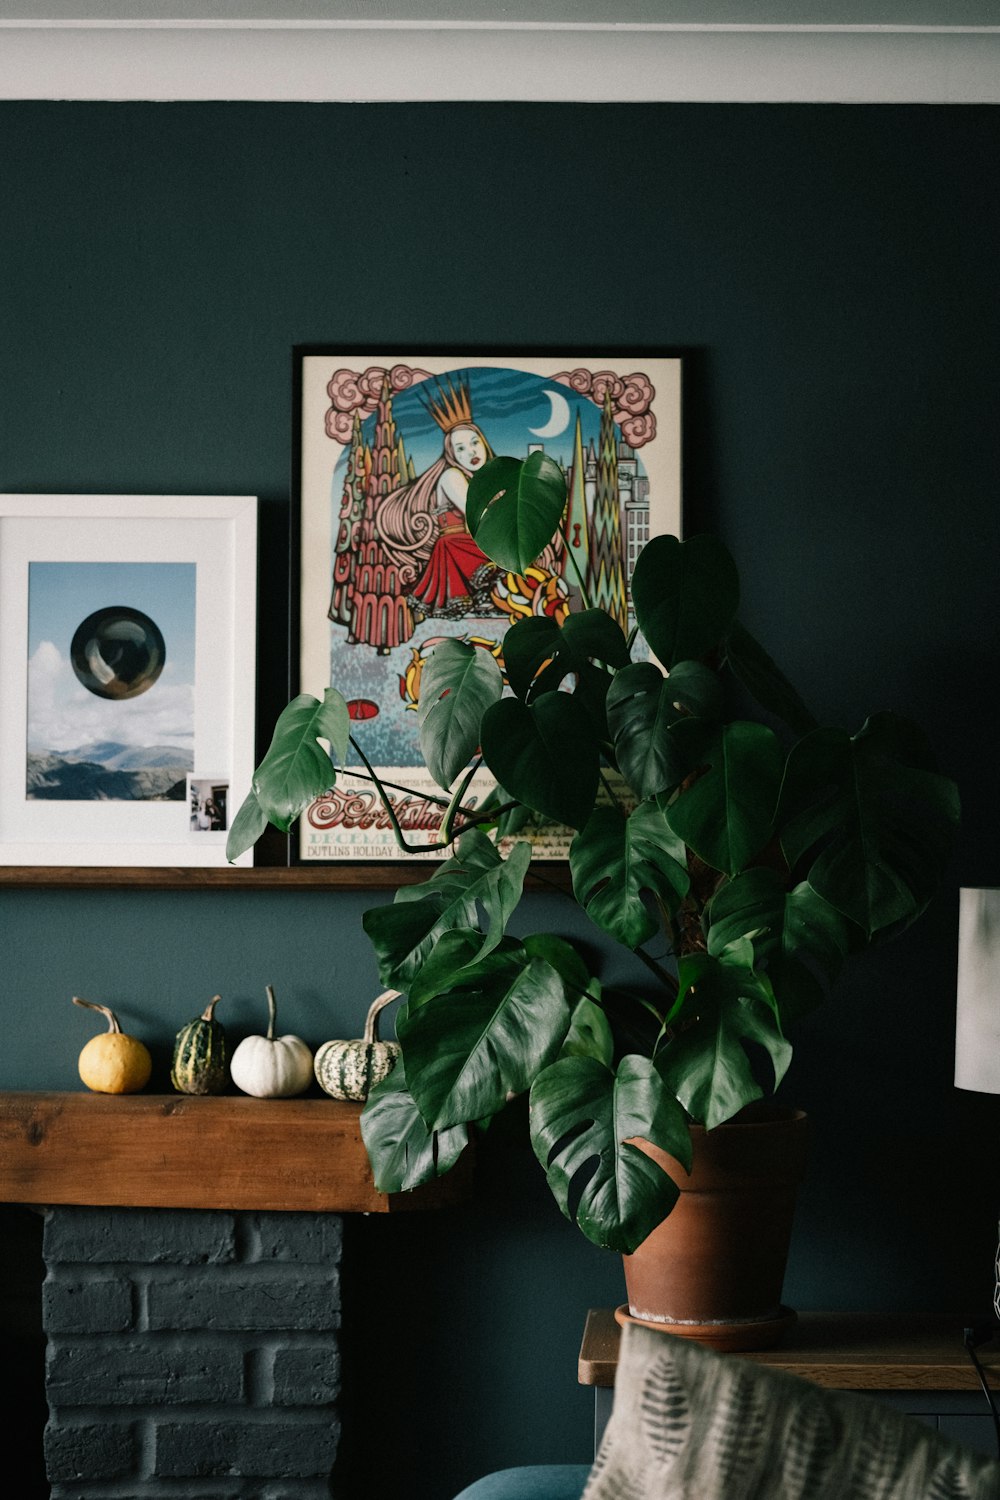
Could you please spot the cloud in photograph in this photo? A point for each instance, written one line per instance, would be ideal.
(63, 715)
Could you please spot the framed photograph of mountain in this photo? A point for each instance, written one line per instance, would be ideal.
(127, 677)
(386, 442)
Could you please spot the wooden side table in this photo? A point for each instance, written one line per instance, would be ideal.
(916, 1364)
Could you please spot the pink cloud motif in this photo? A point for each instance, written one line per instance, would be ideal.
(602, 382)
(401, 377)
(637, 431)
(636, 394)
(359, 390)
(631, 397)
(579, 380)
(344, 390)
(339, 425)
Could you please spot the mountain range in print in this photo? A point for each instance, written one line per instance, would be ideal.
(109, 771)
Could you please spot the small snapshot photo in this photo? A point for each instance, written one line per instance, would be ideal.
(208, 800)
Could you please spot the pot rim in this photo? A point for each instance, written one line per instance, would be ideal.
(774, 1115)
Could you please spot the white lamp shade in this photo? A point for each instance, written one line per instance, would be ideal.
(977, 1021)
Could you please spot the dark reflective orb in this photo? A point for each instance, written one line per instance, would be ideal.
(117, 652)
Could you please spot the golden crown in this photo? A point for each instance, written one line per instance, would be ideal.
(450, 408)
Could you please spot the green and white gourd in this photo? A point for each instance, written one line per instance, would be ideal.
(199, 1059)
(350, 1070)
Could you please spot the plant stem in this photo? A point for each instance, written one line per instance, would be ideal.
(452, 806)
(470, 818)
(394, 785)
(668, 980)
(391, 811)
(610, 789)
(455, 805)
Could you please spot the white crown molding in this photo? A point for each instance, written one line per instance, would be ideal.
(322, 60)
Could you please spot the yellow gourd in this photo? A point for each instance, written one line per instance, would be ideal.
(113, 1063)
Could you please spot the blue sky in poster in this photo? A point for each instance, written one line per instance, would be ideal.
(512, 408)
(62, 714)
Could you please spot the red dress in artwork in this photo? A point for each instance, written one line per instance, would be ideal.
(446, 579)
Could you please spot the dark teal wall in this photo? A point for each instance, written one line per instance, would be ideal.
(831, 275)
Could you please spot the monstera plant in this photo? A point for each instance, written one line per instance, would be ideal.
(739, 849)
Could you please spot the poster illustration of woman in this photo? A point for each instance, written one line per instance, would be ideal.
(456, 576)
(389, 444)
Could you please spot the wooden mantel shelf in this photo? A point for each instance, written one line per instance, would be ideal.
(182, 1151)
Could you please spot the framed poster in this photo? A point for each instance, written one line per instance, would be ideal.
(127, 677)
(385, 444)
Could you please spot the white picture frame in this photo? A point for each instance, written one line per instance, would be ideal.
(178, 702)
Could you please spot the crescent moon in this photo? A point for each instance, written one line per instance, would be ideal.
(558, 420)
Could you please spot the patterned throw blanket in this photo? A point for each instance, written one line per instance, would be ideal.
(690, 1424)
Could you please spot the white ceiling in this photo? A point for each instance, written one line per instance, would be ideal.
(752, 13)
(844, 51)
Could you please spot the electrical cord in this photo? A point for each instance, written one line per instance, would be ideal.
(972, 1338)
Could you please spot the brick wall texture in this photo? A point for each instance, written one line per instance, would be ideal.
(191, 1354)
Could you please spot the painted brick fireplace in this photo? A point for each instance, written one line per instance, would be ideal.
(191, 1300)
(191, 1352)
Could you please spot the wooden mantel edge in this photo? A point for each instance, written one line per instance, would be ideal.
(181, 1151)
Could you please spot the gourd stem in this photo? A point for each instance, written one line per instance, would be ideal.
(271, 1012)
(371, 1021)
(112, 1018)
(206, 1014)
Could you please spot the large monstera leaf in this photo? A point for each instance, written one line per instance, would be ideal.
(547, 756)
(405, 934)
(726, 812)
(800, 939)
(685, 595)
(467, 1051)
(643, 706)
(458, 684)
(403, 1153)
(722, 1004)
(584, 1118)
(514, 506)
(539, 653)
(873, 818)
(615, 859)
(640, 717)
(296, 768)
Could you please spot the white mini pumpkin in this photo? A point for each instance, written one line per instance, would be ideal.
(271, 1067)
(349, 1070)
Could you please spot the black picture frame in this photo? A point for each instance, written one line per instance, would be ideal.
(367, 424)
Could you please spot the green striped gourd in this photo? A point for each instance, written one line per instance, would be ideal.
(349, 1070)
(199, 1061)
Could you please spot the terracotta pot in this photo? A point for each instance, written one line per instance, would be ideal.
(713, 1270)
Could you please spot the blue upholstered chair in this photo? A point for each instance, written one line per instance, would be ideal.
(531, 1482)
